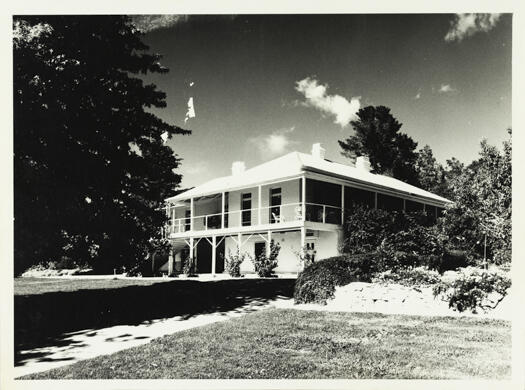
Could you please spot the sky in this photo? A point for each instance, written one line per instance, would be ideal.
(265, 85)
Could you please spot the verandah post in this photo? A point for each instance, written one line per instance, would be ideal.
(259, 208)
(268, 249)
(303, 196)
(213, 254)
(191, 214)
(222, 211)
(342, 204)
(239, 238)
(191, 248)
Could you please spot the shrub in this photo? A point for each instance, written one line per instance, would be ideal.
(418, 276)
(472, 288)
(317, 282)
(306, 256)
(365, 228)
(189, 267)
(453, 259)
(265, 265)
(401, 239)
(232, 263)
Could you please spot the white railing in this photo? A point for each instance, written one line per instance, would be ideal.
(290, 212)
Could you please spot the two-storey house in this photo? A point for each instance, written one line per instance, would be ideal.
(298, 200)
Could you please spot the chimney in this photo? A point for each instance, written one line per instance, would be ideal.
(363, 163)
(238, 167)
(318, 151)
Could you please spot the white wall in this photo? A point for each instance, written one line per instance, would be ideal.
(326, 244)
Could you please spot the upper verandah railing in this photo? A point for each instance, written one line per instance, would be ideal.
(279, 214)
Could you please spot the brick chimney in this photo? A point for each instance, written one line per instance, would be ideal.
(238, 167)
(318, 151)
(363, 163)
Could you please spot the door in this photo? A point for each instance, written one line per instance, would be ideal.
(275, 203)
(260, 248)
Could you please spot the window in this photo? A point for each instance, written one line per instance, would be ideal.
(187, 220)
(246, 207)
(390, 203)
(275, 202)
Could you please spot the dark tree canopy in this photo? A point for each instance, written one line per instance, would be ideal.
(377, 136)
(91, 169)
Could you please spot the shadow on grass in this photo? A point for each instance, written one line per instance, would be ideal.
(49, 319)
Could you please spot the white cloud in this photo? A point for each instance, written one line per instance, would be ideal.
(316, 96)
(148, 23)
(466, 25)
(446, 88)
(274, 144)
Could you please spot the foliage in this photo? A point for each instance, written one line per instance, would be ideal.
(431, 175)
(90, 167)
(401, 239)
(317, 283)
(482, 195)
(265, 264)
(364, 229)
(413, 246)
(417, 276)
(232, 263)
(306, 256)
(189, 268)
(472, 287)
(377, 136)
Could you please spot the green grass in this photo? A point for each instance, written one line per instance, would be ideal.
(306, 344)
(34, 286)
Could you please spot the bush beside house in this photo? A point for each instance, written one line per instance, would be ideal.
(317, 282)
(410, 249)
(265, 264)
(232, 263)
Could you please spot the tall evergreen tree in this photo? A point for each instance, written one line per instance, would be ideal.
(377, 136)
(91, 169)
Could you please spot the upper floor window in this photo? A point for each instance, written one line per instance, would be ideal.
(246, 207)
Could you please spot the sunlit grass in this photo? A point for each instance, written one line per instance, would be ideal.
(306, 344)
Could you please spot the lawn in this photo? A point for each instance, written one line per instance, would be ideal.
(46, 309)
(280, 343)
(32, 286)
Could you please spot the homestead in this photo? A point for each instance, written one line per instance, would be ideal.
(298, 201)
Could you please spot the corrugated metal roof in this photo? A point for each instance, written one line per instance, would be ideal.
(295, 163)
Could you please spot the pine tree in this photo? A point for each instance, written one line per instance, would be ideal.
(91, 169)
(377, 136)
